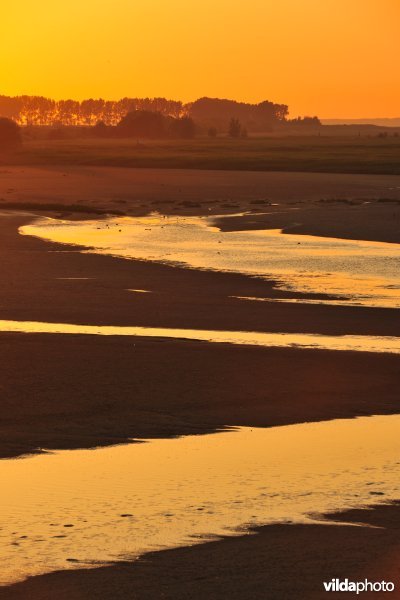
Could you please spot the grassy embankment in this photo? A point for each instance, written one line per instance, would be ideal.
(313, 153)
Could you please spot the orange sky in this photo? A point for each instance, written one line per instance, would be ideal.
(333, 58)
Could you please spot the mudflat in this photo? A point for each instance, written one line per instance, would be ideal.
(44, 281)
(279, 562)
(155, 388)
(84, 391)
(354, 206)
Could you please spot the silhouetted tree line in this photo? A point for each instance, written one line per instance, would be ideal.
(212, 114)
(37, 110)
(219, 114)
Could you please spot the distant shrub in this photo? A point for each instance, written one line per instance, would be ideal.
(143, 123)
(149, 124)
(182, 128)
(235, 128)
(102, 130)
(10, 135)
(305, 121)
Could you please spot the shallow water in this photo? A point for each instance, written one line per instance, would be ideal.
(65, 510)
(357, 343)
(356, 272)
(69, 509)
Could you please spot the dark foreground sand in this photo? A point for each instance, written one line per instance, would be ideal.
(280, 562)
(82, 391)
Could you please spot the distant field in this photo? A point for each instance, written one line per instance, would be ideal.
(316, 153)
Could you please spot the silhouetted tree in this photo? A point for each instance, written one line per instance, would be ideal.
(215, 112)
(183, 128)
(10, 135)
(234, 128)
(101, 129)
(143, 123)
(305, 121)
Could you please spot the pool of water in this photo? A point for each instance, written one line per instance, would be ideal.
(68, 509)
(356, 343)
(354, 272)
(77, 508)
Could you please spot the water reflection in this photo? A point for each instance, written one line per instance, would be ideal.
(72, 508)
(358, 272)
(357, 343)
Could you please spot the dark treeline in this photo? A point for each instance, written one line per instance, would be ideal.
(206, 112)
(214, 112)
(38, 110)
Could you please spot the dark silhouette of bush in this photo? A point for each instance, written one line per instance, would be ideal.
(235, 128)
(182, 128)
(101, 130)
(305, 121)
(149, 124)
(143, 124)
(10, 135)
(215, 112)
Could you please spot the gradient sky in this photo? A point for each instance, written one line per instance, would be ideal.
(333, 58)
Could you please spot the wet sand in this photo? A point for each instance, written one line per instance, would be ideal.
(280, 562)
(349, 272)
(317, 203)
(170, 493)
(128, 388)
(39, 285)
(82, 391)
(135, 393)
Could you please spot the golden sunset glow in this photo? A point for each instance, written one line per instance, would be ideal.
(200, 296)
(333, 58)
